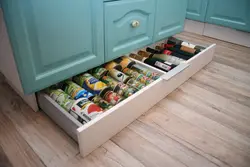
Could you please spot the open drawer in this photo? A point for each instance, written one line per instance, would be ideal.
(98, 131)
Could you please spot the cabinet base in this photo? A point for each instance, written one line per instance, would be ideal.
(218, 32)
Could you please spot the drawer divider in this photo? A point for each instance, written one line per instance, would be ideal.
(174, 72)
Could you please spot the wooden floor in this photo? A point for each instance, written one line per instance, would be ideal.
(204, 123)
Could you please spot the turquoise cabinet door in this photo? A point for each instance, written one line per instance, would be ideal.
(170, 17)
(196, 10)
(229, 13)
(129, 25)
(54, 40)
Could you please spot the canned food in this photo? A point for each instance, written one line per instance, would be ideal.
(146, 72)
(135, 84)
(125, 62)
(101, 102)
(87, 109)
(99, 72)
(128, 91)
(90, 83)
(118, 75)
(118, 87)
(75, 91)
(113, 65)
(60, 97)
(139, 77)
(112, 97)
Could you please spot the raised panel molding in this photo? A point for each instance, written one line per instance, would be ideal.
(127, 37)
(166, 26)
(196, 9)
(229, 13)
(54, 41)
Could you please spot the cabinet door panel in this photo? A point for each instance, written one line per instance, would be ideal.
(120, 36)
(229, 13)
(54, 40)
(196, 10)
(170, 16)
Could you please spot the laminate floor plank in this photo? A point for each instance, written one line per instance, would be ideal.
(226, 134)
(210, 144)
(169, 145)
(224, 89)
(231, 73)
(4, 160)
(218, 102)
(199, 106)
(147, 153)
(52, 145)
(19, 153)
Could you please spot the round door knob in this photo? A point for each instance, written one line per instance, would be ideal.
(135, 23)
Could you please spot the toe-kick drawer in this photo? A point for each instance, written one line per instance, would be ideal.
(96, 132)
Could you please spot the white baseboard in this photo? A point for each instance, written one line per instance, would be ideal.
(194, 26)
(218, 32)
(227, 34)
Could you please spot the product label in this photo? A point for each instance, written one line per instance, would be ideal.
(87, 109)
(162, 66)
(118, 75)
(189, 45)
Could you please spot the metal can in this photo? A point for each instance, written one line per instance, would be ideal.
(118, 87)
(112, 97)
(90, 83)
(135, 84)
(118, 75)
(139, 77)
(128, 91)
(60, 97)
(87, 109)
(75, 91)
(113, 65)
(101, 102)
(98, 72)
(146, 72)
(125, 62)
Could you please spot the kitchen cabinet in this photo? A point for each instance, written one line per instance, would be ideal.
(169, 18)
(53, 40)
(129, 25)
(196, 10)
(234, 14)
(229, 13)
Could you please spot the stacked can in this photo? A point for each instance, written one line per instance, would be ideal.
(125, 62)
(66, 102)
(113, 65)
(95, 86)
(87, 109)
(146, 72)
(62, 98)
(118, 87)
(98, 72)
(120, 76)
(75, 91)
(101, 102)
(139, 77)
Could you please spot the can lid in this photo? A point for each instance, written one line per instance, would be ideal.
(104, 91)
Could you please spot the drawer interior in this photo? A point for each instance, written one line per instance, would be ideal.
(94, 133)
(67, 122)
